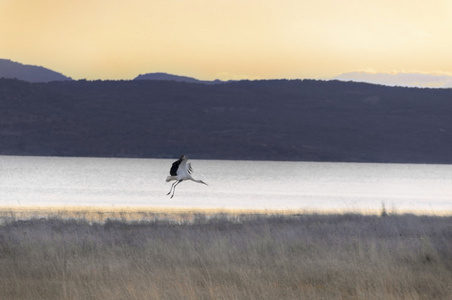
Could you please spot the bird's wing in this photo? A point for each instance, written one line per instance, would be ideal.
(189, 168)
(182, 167)
(174, 167)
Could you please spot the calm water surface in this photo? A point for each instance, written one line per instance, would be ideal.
(55, 181)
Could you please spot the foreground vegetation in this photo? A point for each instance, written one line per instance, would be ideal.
(227, 256)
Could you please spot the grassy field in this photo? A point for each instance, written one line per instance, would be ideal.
(230, 255)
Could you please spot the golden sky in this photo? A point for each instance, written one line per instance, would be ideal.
(228, 39)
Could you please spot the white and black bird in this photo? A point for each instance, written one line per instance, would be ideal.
(180, 171)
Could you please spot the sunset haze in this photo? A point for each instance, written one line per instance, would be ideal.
(231, 39)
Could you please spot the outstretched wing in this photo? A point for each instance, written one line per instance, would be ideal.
(175, 166)
(189, 168)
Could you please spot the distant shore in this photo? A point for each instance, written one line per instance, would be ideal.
(177, 214)
(283, 120)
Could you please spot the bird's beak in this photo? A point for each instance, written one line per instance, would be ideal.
(204, 182)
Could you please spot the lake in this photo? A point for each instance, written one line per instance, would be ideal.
(304, 186)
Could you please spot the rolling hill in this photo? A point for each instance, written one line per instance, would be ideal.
(259, 120)
(10, 69)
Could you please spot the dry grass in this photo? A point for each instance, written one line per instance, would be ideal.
(127, 214)
(226, 256)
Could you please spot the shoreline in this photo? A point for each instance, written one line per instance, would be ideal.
(177, 214)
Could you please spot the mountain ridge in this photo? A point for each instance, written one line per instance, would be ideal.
(161, 76)
(30, 73)
(292, 120)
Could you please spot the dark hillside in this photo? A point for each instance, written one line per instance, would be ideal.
(15, 70)
(261, 120)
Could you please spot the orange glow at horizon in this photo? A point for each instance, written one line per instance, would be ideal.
(227, 39)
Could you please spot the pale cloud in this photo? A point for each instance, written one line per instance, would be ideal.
(410, 79)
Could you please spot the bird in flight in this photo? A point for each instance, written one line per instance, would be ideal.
(180, 171)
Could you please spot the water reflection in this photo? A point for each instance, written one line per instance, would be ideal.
(52, 181)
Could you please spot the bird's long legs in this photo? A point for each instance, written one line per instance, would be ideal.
(173, 188)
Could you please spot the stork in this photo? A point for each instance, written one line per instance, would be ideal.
(180, 171)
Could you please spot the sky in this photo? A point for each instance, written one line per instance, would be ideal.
(228, 39)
